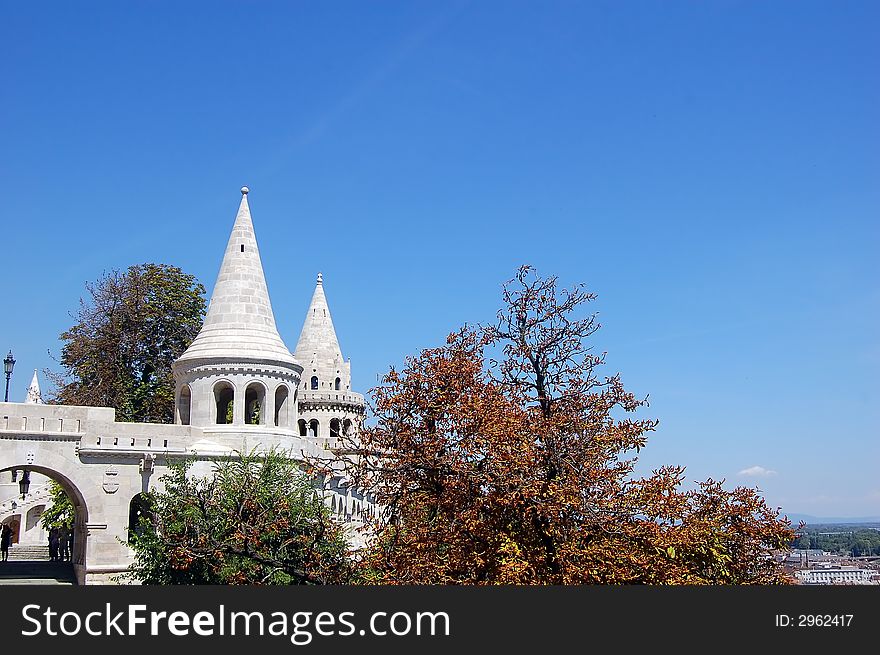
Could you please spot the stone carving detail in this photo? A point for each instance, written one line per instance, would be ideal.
(111, 480)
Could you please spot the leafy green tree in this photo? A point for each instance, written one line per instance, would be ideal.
(257, 520)
(60, 512)
(126, 336)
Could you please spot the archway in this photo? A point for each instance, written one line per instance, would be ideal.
(184, 405)
(139, 510)
(281, 411)
(255, 404)
(224, 401)
(28, 508)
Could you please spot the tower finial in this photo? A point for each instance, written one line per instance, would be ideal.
(320, 279)
(244, 190)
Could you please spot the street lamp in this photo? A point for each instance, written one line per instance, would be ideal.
(8, 364)
(25, 483)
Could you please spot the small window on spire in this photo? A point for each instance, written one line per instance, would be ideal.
(242, 247)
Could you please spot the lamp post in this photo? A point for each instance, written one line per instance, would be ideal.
(24, 484)
(8, 365)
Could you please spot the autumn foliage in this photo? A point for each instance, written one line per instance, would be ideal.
(504, 457)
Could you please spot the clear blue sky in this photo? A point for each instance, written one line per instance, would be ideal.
(709, 169)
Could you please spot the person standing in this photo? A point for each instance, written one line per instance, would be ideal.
(5, 540)
(63, 533)
(53, 544)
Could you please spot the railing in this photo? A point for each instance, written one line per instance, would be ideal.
(348, 397)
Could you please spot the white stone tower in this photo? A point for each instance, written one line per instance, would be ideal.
(327, 408)
(237, 378)
(34, 396)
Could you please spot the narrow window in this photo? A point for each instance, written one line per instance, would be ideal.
(281, 418)
(314, 382)
(254, 401)
(183, 405)
(224, 395)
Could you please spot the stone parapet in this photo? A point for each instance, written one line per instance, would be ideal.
(26, 420)
(342, 399)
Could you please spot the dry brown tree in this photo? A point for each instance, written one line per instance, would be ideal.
(506, 457)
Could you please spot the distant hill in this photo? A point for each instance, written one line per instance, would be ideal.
(816, 520)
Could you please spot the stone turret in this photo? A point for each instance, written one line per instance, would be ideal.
(34, 396)
(237, 371)
(327, 406)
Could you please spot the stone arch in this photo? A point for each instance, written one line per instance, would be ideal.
(347, 427)
(334, 428)
(224, 402)
(303, 428)
(314, 427)
(138, 508)
(336, 384)
(72, 479)
(33, 516)
(282, 410)
(314, 384)
(255, 403)
(184, 405)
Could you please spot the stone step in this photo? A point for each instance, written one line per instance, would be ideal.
(31, 552)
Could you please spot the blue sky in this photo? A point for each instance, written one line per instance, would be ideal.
(709, 169)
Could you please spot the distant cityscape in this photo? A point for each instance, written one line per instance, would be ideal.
(835, 554)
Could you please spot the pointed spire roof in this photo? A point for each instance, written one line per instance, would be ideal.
(317, 341)
(34, 397)
(240, 323)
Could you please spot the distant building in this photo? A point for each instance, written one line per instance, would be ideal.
(842, 575)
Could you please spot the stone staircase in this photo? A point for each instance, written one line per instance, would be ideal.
(29, 552)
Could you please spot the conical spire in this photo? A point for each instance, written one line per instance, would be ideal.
(34, 397)
(240, 323)
(317, 343)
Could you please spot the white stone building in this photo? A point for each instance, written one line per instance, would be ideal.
(238, 388)
(835, 575)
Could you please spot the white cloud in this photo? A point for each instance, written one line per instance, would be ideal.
(757, 472)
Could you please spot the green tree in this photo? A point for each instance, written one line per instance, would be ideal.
(256, 520)
(60, 512)
(127, 334)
